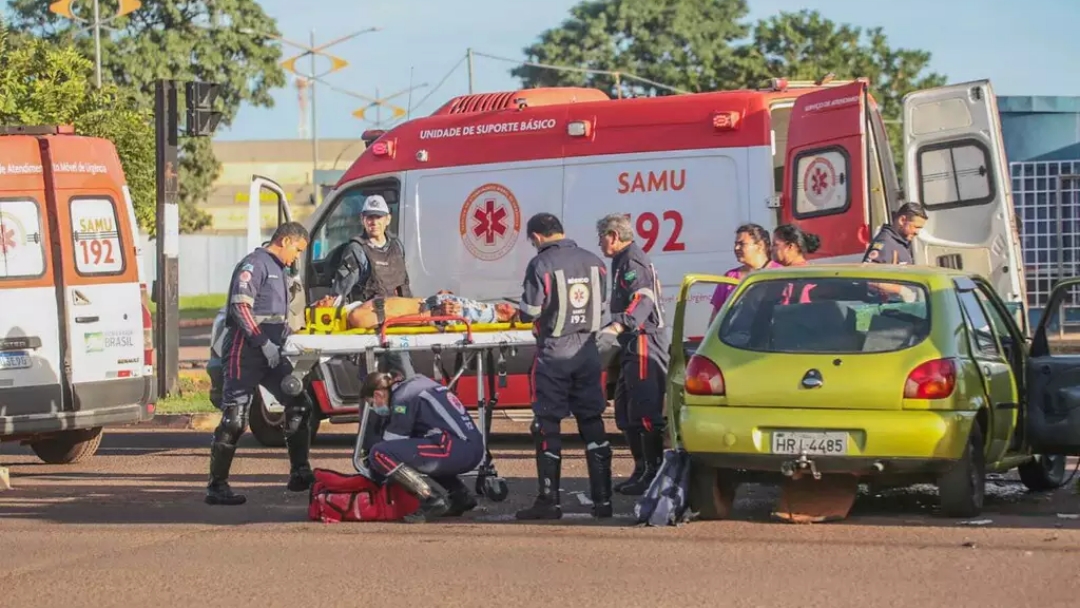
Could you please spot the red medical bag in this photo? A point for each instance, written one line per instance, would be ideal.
(336, 497)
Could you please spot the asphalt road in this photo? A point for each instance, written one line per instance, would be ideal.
(129, 528)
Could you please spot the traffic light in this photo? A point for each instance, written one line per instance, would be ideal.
(202, 120)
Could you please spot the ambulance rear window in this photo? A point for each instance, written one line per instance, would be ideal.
(95, 230)
(22, 255)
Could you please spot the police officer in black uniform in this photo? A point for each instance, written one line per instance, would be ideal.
(565, 291)
(372, 265)
(637, 325)
(256, 328)
(893, 242)
(426, 434)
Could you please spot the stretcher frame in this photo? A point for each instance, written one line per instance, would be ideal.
(489, 353)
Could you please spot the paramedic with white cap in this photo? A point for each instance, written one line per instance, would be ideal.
(371, 266)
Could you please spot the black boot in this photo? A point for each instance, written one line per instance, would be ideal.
(432, 497)
(461, 499)
(546, 506)
(634, 438)
(653, 454)
(218, 491)
(598, 460)
(301, 476)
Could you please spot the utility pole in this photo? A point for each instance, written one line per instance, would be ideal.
(336, 63)
(167, 285)
(202, 120)
(468, 54)
(316, 188)
(64, 8)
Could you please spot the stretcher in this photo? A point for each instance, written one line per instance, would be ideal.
(484, 348)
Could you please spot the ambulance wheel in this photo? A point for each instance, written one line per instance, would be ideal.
(68, 447)
(267, 427)
(496, 489)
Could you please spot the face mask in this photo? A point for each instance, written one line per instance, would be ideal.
(383, 410)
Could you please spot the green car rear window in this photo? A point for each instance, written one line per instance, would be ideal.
(827, 315)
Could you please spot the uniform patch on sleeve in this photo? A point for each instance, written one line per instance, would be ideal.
(878, 245)
(248, 266)
(630, 275)
(399, 409)
(245, 276)
(873, 255)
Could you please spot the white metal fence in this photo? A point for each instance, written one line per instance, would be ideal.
(206, 262)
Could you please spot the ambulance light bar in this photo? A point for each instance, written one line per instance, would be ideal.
(37, 130)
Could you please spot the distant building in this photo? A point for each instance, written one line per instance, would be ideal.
(288, 162)
(1042, 142)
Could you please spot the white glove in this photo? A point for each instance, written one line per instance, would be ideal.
(606, 338)
(272, 352)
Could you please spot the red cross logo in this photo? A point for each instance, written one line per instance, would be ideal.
(819, 182)
(489, 221)
(7, 239)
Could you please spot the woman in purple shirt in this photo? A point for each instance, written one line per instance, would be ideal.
(752, 251)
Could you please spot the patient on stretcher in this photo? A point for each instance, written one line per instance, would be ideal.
(364, 315)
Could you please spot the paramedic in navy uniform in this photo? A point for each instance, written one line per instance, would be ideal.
(426, 432)
(637, 324)
(373, 266)
(256, 328)
(893, 243)
(565, 291)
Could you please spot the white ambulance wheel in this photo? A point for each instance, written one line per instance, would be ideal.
(68, 447)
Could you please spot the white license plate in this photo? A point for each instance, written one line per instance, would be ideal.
(18, 360)
(819, 444)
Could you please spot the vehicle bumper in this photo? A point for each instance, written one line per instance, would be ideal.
(136, 406)
(879, 442)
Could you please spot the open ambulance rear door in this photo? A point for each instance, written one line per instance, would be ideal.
(825, 189)
(955, 165)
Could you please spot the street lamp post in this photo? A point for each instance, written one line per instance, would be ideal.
(65, 8)
(336, 63)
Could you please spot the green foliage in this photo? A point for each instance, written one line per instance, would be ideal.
(807, 46)
(181, 39)
(46, 84)
(707, 45)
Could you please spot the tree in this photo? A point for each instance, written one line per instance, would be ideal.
(46, 84)
(186, 40)
(687, 44)
(705, 45)
(807, 46)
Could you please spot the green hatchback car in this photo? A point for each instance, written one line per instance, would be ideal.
(892, 374)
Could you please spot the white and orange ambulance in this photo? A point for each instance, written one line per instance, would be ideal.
(76, 347)
(689, 169)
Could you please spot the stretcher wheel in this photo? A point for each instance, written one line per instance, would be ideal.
(496, 488)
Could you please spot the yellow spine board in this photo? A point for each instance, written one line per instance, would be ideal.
(328, 321)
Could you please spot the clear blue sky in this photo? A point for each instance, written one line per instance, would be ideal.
(1027, 47)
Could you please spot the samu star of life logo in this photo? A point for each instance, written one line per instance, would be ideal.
(490, 222)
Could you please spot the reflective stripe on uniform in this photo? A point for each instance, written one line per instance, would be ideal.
(560, 312)
(440, 409)
(240, 298)
(270, 318)
(657, 297)
(597, 312)
(529, 309)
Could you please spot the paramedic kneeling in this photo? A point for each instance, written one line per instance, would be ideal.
(565, 292)
(256, 328)
(637, 324)
(427, 433)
